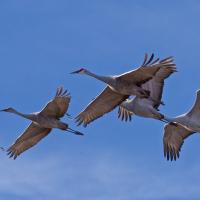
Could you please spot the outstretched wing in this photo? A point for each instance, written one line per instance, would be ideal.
(145, 72)
(31, 136)
(101, 105)
(156, 84)
(174, 135)
(124, 114)
(58, 106)
(195, 111)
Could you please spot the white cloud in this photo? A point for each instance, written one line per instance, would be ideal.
(101, 177)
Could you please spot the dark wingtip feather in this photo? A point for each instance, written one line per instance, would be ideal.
(168, 59)
(145, 59)
(130, 118)
(150, 59)
(155, 61)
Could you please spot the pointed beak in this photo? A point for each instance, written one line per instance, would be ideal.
(75, 72)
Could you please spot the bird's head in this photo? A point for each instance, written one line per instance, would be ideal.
(8, 110)
(80, 71)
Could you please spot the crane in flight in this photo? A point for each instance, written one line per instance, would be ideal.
(146, 107)
(42, 123)
(179, 129)
(119, 88)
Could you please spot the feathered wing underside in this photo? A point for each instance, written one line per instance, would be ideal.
(31, 136)
(58, 106)
(173, 139)
(146, 71)
(156, 84)
(124, 114)
(101, 105)
(195, 111)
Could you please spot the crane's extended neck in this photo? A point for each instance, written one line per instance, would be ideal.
(106, 79)
(27, 116)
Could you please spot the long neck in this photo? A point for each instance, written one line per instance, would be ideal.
(27, 116)
(106, 79)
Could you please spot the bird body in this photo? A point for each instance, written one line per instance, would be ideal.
(40, 119)
(119, 88)
(125, 88)
(148, 107)
(139, 106)
(190, 123)
(180, 128)
(117, 84)
(49, 122)
(42, 123)
(129, 83)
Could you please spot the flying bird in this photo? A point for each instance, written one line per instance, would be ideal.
(148, 107)
(42, 123)
(119, 88)
(179, 129)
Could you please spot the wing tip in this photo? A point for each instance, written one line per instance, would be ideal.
(124, 115)
(60, 92)
(80, 121)
(149, 61)
(12, 154)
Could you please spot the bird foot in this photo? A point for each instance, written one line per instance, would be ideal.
(74, 132)
(78, 133)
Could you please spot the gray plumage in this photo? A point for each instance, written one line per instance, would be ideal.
(179, 129)
(120, 88)
(42, 123)
(148, 107)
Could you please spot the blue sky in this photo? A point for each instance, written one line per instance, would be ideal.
(41, 42)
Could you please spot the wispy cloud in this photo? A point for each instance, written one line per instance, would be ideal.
(102, 177)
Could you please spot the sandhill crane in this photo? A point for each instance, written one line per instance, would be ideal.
(146, 107)
(180, 128)
(119, 88)
(42, 123)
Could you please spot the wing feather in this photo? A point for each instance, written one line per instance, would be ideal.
(146, 71)
(101, 105)
(173, 139)
(31, 136)
(124, 114)
(156, 84)
(58, 106)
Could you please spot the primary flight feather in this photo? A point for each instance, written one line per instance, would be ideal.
(42, 123)
(119, 88)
